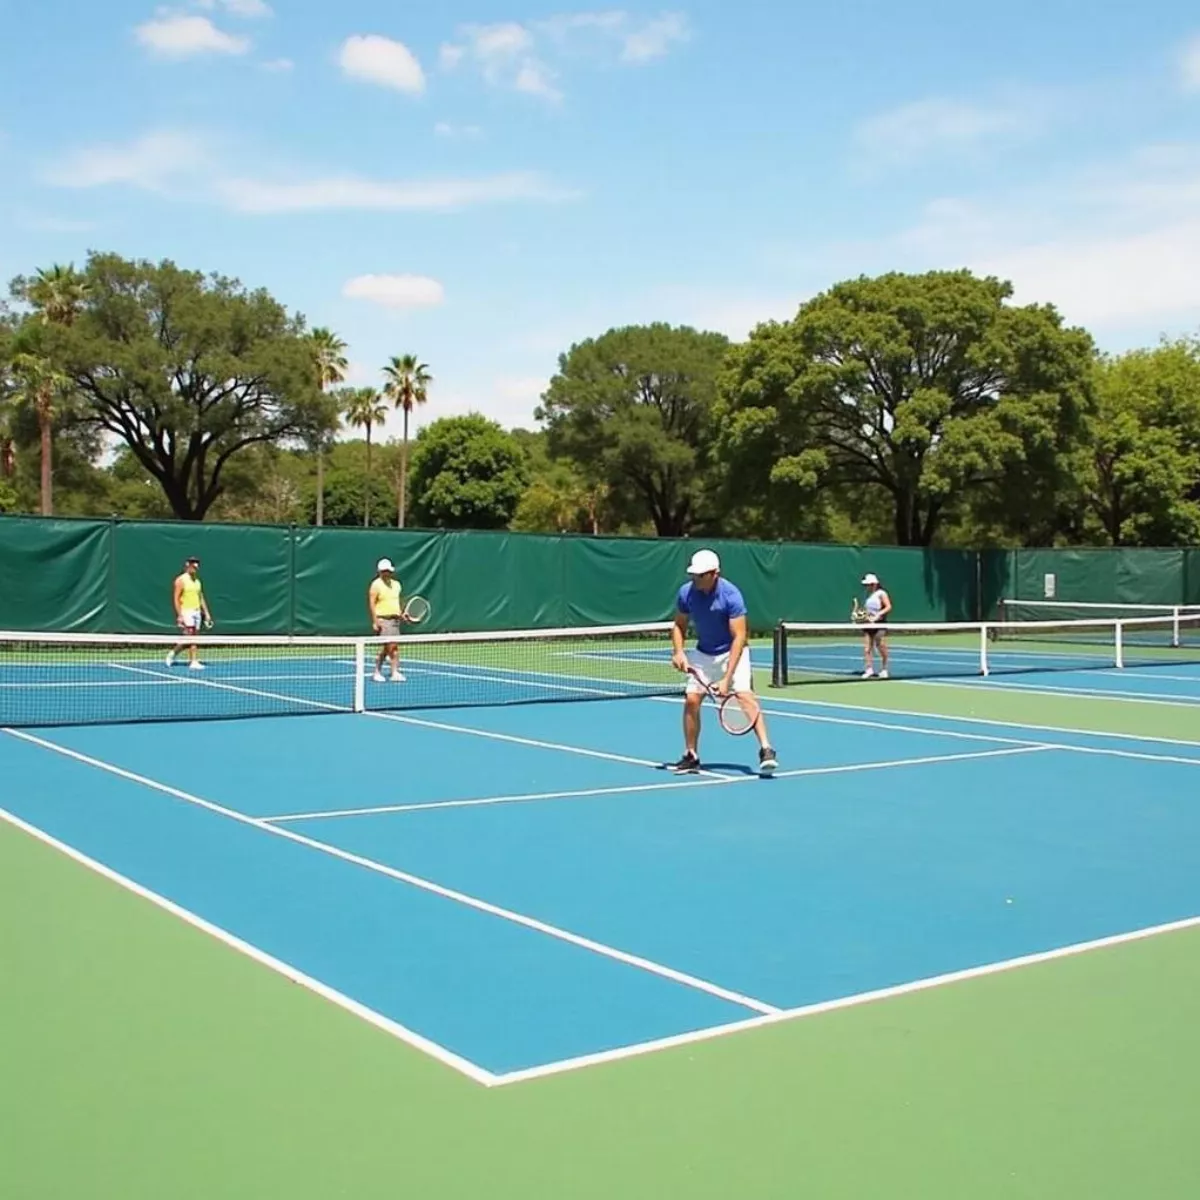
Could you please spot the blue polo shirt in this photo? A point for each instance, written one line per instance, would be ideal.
(711, 612)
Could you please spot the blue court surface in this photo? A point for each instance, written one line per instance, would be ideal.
(517, 889)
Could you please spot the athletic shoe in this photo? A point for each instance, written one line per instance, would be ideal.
(689, 764)
(378, 677)
(195, 666)
(767, 762)
(397, 676)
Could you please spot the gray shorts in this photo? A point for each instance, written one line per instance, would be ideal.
(389, 626)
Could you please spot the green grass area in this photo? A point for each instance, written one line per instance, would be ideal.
(143, 1060)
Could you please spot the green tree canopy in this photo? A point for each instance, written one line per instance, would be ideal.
(186, 371)
(914, 390)
(1140, 472)
(633, 410)
(466, 473)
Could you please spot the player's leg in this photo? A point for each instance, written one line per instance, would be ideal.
(394, 655)
(743, 688)
(693, 698)
(868, 654)
(882, 642)
(191, 625)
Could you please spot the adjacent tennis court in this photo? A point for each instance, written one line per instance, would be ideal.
(950, 945)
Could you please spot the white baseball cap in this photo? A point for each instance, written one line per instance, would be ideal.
(384, 564)
(869, 578)
(704, 561)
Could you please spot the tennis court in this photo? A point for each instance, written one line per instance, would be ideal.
(949, 948)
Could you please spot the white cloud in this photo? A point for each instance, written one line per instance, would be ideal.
(178, 36)
(254, 9)
(381, 60)
(1190, 65)
(536, 79)
(923, 128)
(152, 162)
(250, 9)
(167, 160)
(278, 66)
(654, 39)
(525, 57)
(448, 129)
(350, 192)
(396, 291)
(1115, 248)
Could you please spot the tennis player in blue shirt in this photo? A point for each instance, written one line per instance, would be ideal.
(721, 655)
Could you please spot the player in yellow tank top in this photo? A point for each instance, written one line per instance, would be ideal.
(383, 604)
(191, 610)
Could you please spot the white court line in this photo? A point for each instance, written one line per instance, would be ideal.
(401, 1032)
(1111, 751)
(424, 722)
(1008, 684)
(992, 722)
(719, 780)
(855, 1001)
(416, 881)
(516, 798)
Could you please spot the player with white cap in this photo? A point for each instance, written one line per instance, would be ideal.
(721, 655)
(383, 604)
(875, 614)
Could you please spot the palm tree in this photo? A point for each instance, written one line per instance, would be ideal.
(8, 393)
(406, 387)
(57, 295)
(329, 358)
(44, 385)
(364, 407)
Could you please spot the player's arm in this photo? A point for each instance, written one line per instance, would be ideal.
(177, 600)
(678, 633)
(886, 607)
(737, 627)
(204, 609)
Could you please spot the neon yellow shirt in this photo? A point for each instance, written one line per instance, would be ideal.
(190, 593)
(385, 598)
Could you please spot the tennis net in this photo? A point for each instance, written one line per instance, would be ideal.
(826, 653)
(76, 679)
(1014, 611)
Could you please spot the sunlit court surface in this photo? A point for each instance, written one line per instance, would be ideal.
(963, 908)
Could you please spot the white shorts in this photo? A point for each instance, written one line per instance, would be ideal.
(713, 667)
(191, 619)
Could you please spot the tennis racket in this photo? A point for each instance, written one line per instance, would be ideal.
(416, 610)
(856, 613)
(737, 714)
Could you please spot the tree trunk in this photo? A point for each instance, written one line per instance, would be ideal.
(47, 464)
(367, 495)
(8, 459)
(320, 485)
(403, 473)
(403, 514)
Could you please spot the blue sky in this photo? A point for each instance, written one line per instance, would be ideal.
(482, 184)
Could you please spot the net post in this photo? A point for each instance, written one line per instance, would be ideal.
(779, 657)
(360, 675)
(1175, 612)
(1119, 645)
(983, 649)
